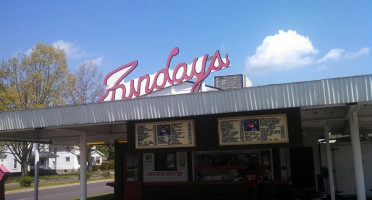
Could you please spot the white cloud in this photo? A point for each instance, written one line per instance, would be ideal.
(97, 61)
(71, 50)
(73, 53)
(332, 55)
(337, 54)
(285, 50)
(361, 52)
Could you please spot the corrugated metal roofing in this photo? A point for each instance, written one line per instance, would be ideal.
(299, 94)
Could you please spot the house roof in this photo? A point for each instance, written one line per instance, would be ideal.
(98, 152)
(45, 154)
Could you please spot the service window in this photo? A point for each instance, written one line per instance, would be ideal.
(132, 168)
(165, 162)
(232, 165)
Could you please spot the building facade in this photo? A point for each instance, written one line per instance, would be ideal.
(200, 144)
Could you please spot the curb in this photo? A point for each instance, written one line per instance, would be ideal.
(54, 186)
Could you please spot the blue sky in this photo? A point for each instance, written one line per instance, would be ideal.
(269, 41)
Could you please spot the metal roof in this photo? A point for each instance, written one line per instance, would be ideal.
(299, 94)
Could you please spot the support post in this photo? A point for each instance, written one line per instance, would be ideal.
(83, 166)
(36, 175)
(357, 155)
(329, 163)
(55, 159)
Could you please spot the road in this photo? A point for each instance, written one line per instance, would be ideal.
(62, 192)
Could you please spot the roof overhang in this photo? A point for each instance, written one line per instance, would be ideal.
(107, 120)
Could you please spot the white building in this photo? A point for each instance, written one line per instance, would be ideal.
(7, 159)
(62, 160)
(322, 109)
(69, 161)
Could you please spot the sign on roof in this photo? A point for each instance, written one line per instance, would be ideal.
(118, 89)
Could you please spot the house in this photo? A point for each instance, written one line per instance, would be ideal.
(62, 160)
(7, 159)
(68, 160)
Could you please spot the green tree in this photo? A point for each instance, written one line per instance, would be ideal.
(33, 81)
(85, 86)
(3, 89)
(108, 150)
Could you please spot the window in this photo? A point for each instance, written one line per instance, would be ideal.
(132, 168)
(165, 162)
(98, 161)
(67, 159)
(15, 164)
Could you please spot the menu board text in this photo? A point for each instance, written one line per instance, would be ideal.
(261, 129)
(165, 134)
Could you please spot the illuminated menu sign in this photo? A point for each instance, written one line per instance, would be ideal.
(263, 129)
(165, 134)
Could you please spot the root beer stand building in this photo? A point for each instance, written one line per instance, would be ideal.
(200, 145)
(206, 157)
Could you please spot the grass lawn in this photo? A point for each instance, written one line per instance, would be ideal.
(53, 180)
(16, 179)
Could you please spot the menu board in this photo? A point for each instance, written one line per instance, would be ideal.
(165, 134)
(263, 129)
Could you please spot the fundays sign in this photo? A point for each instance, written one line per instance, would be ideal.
(118, 89)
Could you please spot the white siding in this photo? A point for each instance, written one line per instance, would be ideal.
(344, 168)
(8, 162)
(96, 158)
(63, 164)
(73, 164)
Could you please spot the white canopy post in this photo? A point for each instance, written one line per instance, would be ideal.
(329, 163)
(36, 175)
(83, 166)
(357, 153)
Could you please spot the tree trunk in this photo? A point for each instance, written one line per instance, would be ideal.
(24, 168)
(90, 168)
(111, 152)
(89, 159)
